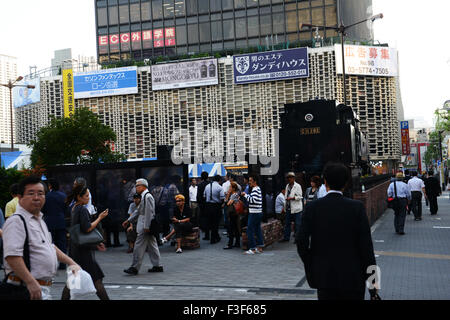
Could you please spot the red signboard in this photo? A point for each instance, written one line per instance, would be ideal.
(158, 38)
(406, 148)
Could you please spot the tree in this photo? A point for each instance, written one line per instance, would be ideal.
(78, 139)
(7, 178)
(443, 126)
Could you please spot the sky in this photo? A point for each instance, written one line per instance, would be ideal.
(33, 29)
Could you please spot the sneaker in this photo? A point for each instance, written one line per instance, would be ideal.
(163, 240)
(249, 252)
(156, 269)
(131, 270)
(179, 250)
(258, 251)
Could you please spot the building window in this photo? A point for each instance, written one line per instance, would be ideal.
(102, 17)
(215, 5)
(135, 12)
(157, 9)
(266, 24)
(240, 28)
(181, 35)
(191, 7)
(193, 33)
(317, 16)
(291, 21)
(203, 6)
(205, 33)
(227, 4)
(216, 31)
(239, 4)
(278, 23)
(180, 9)
(145, 11)
(228, 29)
(113, 15)
(252, 3)
(253, 26)
(168, 9)
(124, 14)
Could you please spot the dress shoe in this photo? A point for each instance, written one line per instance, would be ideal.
(401, 233)
(228, 247)
(156, 269)
(131, 270)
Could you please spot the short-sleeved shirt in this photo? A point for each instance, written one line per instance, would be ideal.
(187, 213)
(416, 184)
(10, 208)
(217, 193)
(43, 260)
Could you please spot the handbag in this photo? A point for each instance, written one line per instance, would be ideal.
(9, 291)
(239, 207)
(84, 239)
(393, 202)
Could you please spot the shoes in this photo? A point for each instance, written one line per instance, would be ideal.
(131, 270)
(257, 251)
(416, 219)
(130, 250)
(401, 233)
(179, 250)
(163, 240)
(156, 269)
(249, 252)
(228, 247)
(117, 245)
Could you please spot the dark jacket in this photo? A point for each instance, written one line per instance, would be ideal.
(432, 187)
(54, 210)
(340, 248)
(201, 189)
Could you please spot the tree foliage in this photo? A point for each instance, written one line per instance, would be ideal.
(7, 178)
(443, 126)
(78, 139)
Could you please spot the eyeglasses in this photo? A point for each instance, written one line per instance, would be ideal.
(179, 200)
(33, 194)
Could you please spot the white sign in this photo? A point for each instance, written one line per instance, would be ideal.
(368, 61)
(184, 74)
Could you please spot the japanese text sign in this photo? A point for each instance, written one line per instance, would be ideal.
(406, 148)
(68, 95)
(184, 74)
(107, 82)
(368, 61)
(273, 65)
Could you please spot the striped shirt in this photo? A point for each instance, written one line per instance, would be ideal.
(254, 200)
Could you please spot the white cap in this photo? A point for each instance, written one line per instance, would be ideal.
(142, 182)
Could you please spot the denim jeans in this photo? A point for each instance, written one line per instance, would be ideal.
(254, 228)
(296, 217)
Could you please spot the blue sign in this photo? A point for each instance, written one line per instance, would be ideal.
(23, 96)
(404, 124)
(271, 65)
(107, 82)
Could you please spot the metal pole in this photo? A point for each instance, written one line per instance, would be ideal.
(441, 168)
(11, 111)
(343, 65)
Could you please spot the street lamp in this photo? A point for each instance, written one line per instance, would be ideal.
(341, 29)
(10, 85)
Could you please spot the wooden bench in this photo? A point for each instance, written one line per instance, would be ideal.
(191, 241)
(272, 232)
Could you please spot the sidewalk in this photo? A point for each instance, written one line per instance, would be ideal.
(415, 266)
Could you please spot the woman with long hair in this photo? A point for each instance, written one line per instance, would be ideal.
(85, 255)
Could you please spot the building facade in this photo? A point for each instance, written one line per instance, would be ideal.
(8, 71)
(139, 29)
(149, 118)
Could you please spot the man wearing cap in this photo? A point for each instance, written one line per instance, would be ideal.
(400, 190)
(293, 205)
(144, 215)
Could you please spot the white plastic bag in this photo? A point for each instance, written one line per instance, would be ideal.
(80, 284)
(46, 293)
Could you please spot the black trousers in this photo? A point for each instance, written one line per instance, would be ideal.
(433, 204)
(416, 203)
(233, 226)
(182, 229)
(340, 294)
(400, 215)
(214, 211)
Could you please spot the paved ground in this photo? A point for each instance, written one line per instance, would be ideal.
(413, 266)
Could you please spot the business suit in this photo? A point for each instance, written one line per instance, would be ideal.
(433, 190)
(335, 245)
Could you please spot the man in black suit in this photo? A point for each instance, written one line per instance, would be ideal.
(433, 190)
(203, 218)
(334, 241)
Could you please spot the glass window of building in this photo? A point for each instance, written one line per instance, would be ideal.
(241, 43)
(205, 48)
(330, 16)
(252, 3)
(180, 21)
(215, 5)
(114, 29)
(277, 1)
(157, 9)
(113, 15)
(239, 4)
(217, 46)
(291, 21)
(277, 8)
(240, 28)
(135, 27)
(216, 30)
(193, 33)
(203, 18)
(239, 13)
(125, 28)
(135, 12)
(227, 4)
(264, 2)
(228, 45)
(205, 32)
(228, 29)
(316, 3)
(102, 17)
(317, 16)
(227, 15)
(112, 2)
(266, 24)
(181, 50)
(278, 23)
(180, 9)
(254, 42)
(103, 30)
(181, 35)
(124, 14)
(203, 6)
(303, 4)
(304, 16)
(145, 11)
(169, 9)
(191, 7)
(101, 3)
(123, 1)
(157, 24)
(332, 2)
(216, 16)
(263, 10)
(253, 26)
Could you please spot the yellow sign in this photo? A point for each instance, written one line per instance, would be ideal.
(308, 131)
(69, 100)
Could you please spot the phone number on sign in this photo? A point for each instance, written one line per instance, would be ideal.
(368, 70)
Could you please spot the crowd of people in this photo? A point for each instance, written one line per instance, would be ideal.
(155, 217)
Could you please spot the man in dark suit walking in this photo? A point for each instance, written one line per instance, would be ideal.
(433, 190)
(334, 242)
(54, 210)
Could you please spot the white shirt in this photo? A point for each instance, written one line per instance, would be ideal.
(193, 193)
(279, 203)
(322, 191)
(226, 186)
(416, 184)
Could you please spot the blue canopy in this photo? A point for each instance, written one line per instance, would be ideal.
(9, 157)
(195, 170)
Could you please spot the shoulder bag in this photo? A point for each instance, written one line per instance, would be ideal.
(84, 239)
(392, 202)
